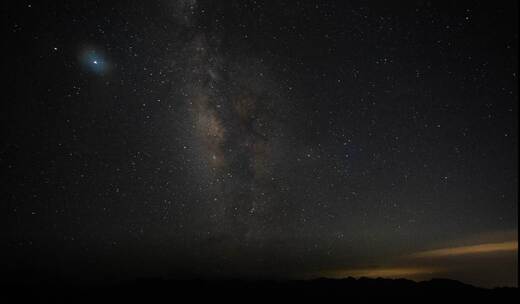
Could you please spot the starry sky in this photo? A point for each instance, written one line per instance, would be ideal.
(261, 139)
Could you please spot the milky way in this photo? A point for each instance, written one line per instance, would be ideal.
(233, 118)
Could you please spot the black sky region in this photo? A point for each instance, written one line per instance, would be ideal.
(261, 139)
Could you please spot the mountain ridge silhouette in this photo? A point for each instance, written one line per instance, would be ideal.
(165, 290)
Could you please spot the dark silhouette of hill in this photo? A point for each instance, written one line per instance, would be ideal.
(170, 291)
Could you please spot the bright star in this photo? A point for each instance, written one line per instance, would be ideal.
(94, 61)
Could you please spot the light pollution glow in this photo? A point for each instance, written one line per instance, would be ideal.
(421, 272)
(388, 272)
(468, 250)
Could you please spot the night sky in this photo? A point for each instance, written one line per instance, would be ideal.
(260, 139)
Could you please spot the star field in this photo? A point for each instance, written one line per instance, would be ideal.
(295, 139)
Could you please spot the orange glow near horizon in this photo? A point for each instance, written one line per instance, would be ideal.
(382, 272)
(420, 272)
(469, 250)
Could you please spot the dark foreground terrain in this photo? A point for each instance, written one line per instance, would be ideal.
(172, 291)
